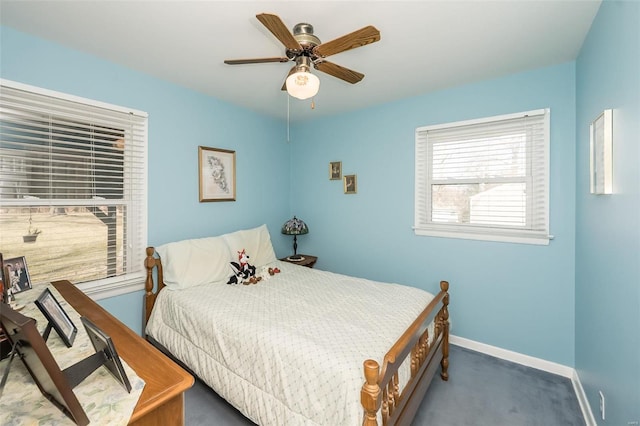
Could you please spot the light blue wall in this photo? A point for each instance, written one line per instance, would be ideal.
(514, 296)
(608, 226)
(179, 121)
(517, 297)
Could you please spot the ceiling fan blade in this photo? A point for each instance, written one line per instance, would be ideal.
(350, 76)
(359, 38)
(278, 29)
(291, 71)
(254, 61)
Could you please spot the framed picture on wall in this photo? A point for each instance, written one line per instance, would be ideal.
(217, 174)
(350, 184)
(335, 170)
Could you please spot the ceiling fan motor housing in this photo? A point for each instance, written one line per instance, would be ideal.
(303, 33)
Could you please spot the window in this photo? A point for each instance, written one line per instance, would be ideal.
(484, 179)
(73, 189)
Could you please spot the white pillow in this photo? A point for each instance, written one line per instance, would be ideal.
(193, 262)
(256, 242)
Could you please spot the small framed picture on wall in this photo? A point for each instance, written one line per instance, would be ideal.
(335, 170)
(350, 184)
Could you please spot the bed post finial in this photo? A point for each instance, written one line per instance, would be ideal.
(370, 394)
(149, 296)
(149, 263)
(444, 286)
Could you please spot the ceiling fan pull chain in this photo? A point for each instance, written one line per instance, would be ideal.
(313, 103)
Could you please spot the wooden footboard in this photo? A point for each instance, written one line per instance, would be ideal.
(381, 391)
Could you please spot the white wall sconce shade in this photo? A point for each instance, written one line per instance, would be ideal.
(601, 156)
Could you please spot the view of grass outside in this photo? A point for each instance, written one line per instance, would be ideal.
(72, 244)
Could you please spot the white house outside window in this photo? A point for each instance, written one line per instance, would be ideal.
(484, 179)
(73, 173)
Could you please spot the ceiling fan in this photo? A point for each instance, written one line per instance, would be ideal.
(306, 50)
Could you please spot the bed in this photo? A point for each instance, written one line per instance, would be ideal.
(302, 346)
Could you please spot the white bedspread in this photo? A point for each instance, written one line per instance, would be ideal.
(288, 350)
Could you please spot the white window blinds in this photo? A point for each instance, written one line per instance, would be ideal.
(484, 179)
(72, 173)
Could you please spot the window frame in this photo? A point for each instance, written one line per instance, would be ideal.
(130, 281)
(425, 226)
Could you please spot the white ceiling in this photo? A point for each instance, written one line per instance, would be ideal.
(424, 46)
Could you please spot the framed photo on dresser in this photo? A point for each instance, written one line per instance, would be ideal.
(31, 348)
(103, 343)
(57, 317)
(17, 277)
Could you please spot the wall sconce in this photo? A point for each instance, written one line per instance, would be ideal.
(601, 153)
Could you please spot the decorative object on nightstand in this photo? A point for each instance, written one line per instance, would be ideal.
(295, 227)
(305, 260)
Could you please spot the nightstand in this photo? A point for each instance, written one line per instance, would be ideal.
(308, 260)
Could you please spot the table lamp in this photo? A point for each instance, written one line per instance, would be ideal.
(295, 227)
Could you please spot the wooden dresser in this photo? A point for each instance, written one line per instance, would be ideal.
(162, 400)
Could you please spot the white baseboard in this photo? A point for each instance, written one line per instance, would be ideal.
(518, 358)
(533, 362)
(582, 400)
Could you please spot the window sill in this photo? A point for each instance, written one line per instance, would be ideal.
(103, 289)
(505, 238)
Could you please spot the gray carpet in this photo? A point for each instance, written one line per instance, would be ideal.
(481, 390)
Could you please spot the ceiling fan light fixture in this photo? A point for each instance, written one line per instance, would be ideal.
(303, 85)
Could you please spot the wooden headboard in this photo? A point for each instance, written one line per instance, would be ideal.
(150, 263)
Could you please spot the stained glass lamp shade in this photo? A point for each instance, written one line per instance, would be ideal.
(295, 227)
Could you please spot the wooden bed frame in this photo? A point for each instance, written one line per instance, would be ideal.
(381, 391)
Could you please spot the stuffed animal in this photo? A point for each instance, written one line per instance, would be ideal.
(243, 271)
(267, 272)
